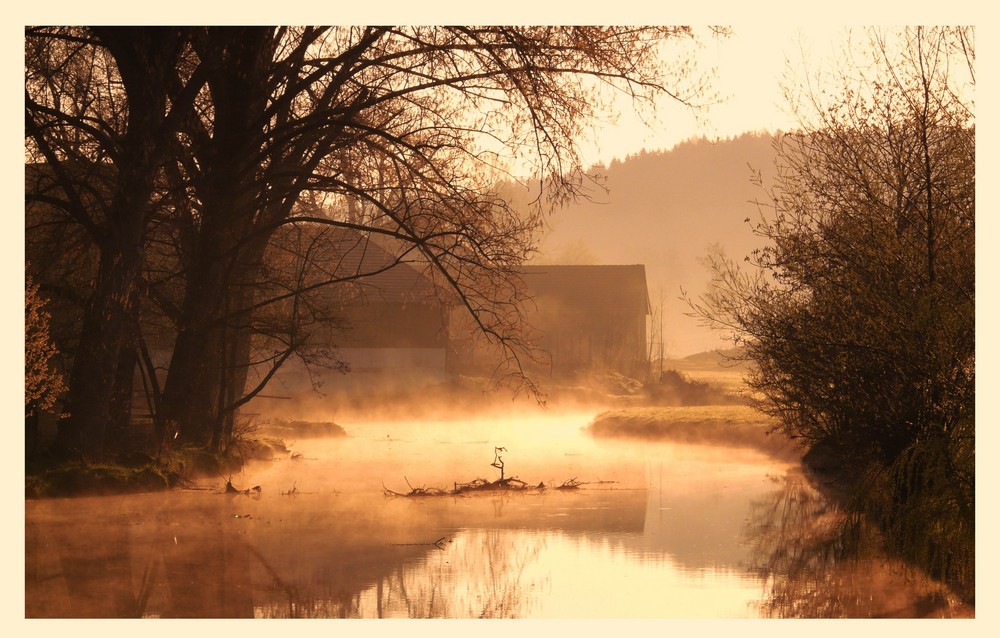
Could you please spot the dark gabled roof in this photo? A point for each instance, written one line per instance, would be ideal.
(601, 288)
(378, 270)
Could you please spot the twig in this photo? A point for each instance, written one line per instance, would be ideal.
(439, 543)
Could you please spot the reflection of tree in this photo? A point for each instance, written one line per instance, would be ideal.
(312, 603)
(477, 576)
(97, 582)
(206, 576)
(792, 550)
(814, 566)
(292, 601)
(113, 567)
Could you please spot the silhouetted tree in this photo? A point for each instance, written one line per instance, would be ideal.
(861, 315)
(182, 151)
(100, 105)
(386, 131)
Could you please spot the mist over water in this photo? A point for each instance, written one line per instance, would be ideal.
(656, 530)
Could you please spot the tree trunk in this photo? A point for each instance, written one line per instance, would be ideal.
(233, 383)
(212, 347)
(106, 326)
(210, 363)
(120, 417)
(146, 59)
(190, 394)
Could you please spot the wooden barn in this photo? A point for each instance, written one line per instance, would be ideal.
(590, 317)
(389, 326)
(582, 318)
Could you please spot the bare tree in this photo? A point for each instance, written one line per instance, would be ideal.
(100, 105)
(861, 317)
(182, 151)
(398, 132)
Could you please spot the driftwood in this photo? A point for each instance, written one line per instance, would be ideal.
(510, 484)
(416, 491)
(571, 484)
(230, 489)
(503, 484)
(439, 543)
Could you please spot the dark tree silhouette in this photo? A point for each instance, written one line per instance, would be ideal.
(101, 106)
(861, 318)
(207, 140)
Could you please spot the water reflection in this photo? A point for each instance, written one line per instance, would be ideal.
(666, 538)
(813, 569)
(479, 574)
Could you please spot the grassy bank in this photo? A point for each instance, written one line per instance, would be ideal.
(50, 477)
(731, 425)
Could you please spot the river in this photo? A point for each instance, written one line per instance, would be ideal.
(654, 530)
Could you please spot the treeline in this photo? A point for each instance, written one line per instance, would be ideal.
(188, 191)
(859, 315)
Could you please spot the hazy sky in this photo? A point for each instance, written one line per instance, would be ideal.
(749, 64)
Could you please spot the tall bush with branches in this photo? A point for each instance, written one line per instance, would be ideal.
(859, 315)
(43, 381)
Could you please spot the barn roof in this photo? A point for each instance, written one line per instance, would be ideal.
(620, 287)
(369, 267)
(384, 271)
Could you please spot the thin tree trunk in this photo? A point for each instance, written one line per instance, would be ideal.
(106, 326)
(209, 367)
(120, 416)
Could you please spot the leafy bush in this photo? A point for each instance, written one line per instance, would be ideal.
(860, 316)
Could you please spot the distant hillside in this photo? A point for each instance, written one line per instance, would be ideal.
(668, 210)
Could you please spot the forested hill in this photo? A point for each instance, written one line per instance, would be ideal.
(667, 210)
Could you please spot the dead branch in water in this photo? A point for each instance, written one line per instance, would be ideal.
(497, 461)
(574, 484)
(231, 489)
(415, 491)
(481, 485)
(439, 543)
(503, 484)
(510, 484)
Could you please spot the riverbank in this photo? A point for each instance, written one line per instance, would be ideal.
(917, 528)
(47, 476)
(269, 425)
(731, 426)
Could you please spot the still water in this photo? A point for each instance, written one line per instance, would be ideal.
(656, 530)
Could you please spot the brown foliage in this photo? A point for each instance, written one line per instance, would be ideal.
(42, 382)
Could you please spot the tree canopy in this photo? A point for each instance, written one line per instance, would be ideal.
(181, 151)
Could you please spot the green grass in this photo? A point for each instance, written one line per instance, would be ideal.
(730, 425)
(77, 479)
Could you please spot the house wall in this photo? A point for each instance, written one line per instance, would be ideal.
(392, 325)
(572, 340)
(386, 346)
(588, 339)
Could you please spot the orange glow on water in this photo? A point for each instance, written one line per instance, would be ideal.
(656, 531)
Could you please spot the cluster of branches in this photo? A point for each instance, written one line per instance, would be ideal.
(860, 313)
(180, 180)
